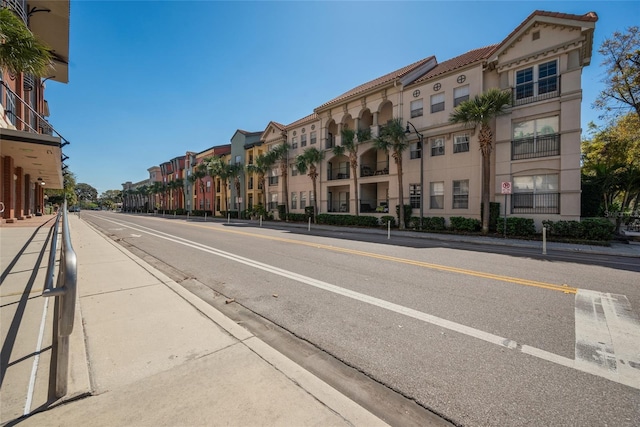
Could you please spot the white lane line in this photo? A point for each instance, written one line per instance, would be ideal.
(36, 360)
(462, 329)
(607, 335)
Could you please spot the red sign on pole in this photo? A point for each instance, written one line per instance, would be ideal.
(506, 187)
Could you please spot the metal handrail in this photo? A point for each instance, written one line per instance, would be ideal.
(66, 291)
(41, 120)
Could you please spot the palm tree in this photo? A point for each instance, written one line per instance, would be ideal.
(350, 142)
(482, 110)
(216, 166)
(156, 188)
(234, 171)
(144, 190)
(198, 174)
(308, 161)
(281, 155)
(393, 140)
(212, 167)
(20, 50)
(261, 166)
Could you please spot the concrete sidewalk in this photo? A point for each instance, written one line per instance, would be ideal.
(157, 355)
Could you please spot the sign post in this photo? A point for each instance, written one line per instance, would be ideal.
(506, 189)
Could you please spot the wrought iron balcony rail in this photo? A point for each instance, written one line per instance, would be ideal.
(548, 203)
(540, 146)
(526, 93)
(338, 173)
(35, 123)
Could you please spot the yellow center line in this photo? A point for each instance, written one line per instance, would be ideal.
(525, 282)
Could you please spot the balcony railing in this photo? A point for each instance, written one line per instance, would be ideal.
(35, 123)
(371, 169)
(331, 142)
(338, 173)
(546, 203)
(374, 206)
(529, 92)
(337, 205)
(540, 146)
(18, 6)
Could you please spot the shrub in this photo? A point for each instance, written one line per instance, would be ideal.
(282, 212)
(459, 223)
(384, 220)
(434, 223)
(520, 227)
(587, 229)
(297, 217)
(359, 221)
(407, 215)
(494, 215)
(308, 211)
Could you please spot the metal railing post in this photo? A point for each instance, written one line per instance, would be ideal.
(65, 290)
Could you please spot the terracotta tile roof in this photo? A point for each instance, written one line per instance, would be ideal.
(309, 118)
(387, 78)
(459, 61)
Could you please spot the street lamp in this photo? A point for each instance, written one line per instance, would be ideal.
(421, 145)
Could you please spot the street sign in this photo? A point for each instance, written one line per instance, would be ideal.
(506, 187)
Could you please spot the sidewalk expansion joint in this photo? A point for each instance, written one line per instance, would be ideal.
(122, 290)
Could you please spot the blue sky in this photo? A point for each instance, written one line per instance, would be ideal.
(150, 80)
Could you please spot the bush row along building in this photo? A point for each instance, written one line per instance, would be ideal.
(537, 142)
(30, 147)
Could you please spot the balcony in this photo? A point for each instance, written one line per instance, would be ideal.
(529, 92)
(374, 206)
(273, 180)
(540, 146)
(372, 169)
(535, 203)
(338, 173)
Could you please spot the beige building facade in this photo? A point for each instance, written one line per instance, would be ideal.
(537, 141)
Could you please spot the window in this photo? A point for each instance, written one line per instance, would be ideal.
(536, 138)
(535, 194)
(461, 143)
(208, 185)
(303, 199)
(294, 169)
(415, 150)
(416, 108)
(437, 195)
(537, 80)
(303, 140)
(273, 179)
(461, 194)
(294, 200)
(437, 102)
(294, 142)
(238, 160)
(460, 94)
(414, 195)
(273, 203)
(437, 147)
(313, 138)
(250, 183)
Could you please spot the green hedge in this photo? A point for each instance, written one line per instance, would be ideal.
(459, 223)
(587, 229)
(385, 219)
(434, 223)
(407, 215)
(519, 227)
(358, 221)
(297, 217)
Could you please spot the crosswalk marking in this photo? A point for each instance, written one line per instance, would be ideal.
(607, 336)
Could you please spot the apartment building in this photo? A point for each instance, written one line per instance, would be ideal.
(254, 189)
(537, 141)
(205, 189)
(241, 142)
(30, 147)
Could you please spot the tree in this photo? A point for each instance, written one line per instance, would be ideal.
(216, 166)
(110, 198)
(86, 193)
(308, 161)
(68, 191)
(156, 188)
(621, 61)
(611, 164)
(261, 166)
(197, 176)
(281, 156)
(351, 140)
(394, 141)
(481, 111)
(20, 50)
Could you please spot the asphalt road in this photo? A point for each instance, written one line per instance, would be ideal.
(475, 336)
